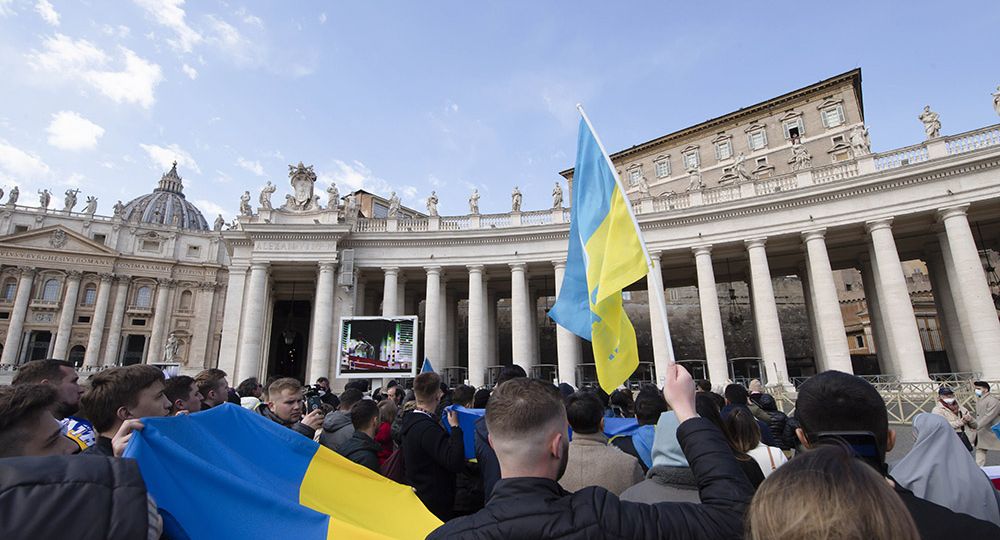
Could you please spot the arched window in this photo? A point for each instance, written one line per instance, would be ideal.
(50, 292)
(144, 297)
(9, 289)
(187, 300)
(89, 295)
(76, 355)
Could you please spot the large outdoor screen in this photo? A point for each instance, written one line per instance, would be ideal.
(372, 347)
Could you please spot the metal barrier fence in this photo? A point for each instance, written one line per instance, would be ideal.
(904, 400)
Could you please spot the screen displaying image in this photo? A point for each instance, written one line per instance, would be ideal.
(372, 347)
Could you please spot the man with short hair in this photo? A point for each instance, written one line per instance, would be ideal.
(987, 416)
(284, 406)
(250, 391)
(62, 376)
(337, 426)
(591, 461)
(396, 394)
(639, 444)
(361, 448)
(27, 426)
(833, 402)
(489, 466)
(121, 393)
(183, 393)
(432, 456)
(528, 428)
(214, 387)
(462, 395)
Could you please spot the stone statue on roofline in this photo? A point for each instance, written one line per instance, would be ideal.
(557, 196)
(13, 196)
(332, 197)
(515, 200)
(996, 100)
(432, 204)
(474, 202)
(740, 168)
(801, 158)
(932, 122)
(245, 209)
(694, 181)
(118, 209)
(91, 207)
(44, 196)
(393, 205)
(219, 222)
(265, 196)
(643, 187)
(70, 201)
(303, 197)
(860, 143)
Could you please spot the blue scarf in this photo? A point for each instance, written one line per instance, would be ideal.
(642, 439)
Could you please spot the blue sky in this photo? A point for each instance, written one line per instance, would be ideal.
(449, 96)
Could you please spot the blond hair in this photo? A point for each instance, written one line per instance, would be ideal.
(827, 494)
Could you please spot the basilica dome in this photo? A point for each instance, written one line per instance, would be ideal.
(166, 206)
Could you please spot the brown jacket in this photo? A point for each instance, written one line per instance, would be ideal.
(957, 421)
(593, 463)
(987, 415)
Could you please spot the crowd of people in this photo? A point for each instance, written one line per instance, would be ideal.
(701, 462)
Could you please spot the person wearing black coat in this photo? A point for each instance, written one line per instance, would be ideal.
(778, 422)
(528, 503)
(361, 448)
(75, 497)
(432, 456)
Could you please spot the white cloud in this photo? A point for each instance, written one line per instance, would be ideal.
(322, 18)
(82, 60)
(191, 72)
(252, 166)
(47, 12)
(222, 177)
(70, 131)
(17, 165)
(435, 181)
(121, 31)
(211, 209)
(228, 39)
(170, 13)
(164, 156)
(5, 8)
(249, 18)
(356, 175)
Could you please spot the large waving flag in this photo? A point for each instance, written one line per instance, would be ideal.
(231, 473)
(606, 254)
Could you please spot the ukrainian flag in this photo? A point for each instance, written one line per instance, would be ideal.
(231, 473)
(606, 254)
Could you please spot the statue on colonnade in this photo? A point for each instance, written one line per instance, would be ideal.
(557, 196)
(515, 200)
(932, 122)
(265, 196)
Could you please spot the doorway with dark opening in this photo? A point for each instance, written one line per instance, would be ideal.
(290, 338)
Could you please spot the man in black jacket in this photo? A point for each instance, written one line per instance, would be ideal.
(489, 467)
(528, 430)
(833, 402)
(432, 457)
(284, 406)
(361, 448)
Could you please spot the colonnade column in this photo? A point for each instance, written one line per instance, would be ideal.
(894, 301)
(567, 343)
(161, 319)
(93, 352)
(973, 300)
(117, 318)
(400, 308)
(944, 302)
(662, 354)
(320, 339)
(520, 317)
(432, 317)
(66, 314)
(477, 327)
(12, 344)
(877, 318)
(390, 292)
(711, 317)
(229, 348)
(765, 314)
(359, 299)
(825, 304)
(252, 324)
(492, 341)
(204, 308)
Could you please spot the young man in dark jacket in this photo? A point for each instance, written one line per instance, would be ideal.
(361, 448)
(337, 426)
(528, 429)
(27, 427)
(284, 406)
(833, 402)
(121, 393)
(489, 467)
(432, 456)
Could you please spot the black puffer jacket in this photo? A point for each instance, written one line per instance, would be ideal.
(778, 421)
(526, 508)
(80, 497)
(361, 449)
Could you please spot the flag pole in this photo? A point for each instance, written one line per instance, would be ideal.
(661, 304)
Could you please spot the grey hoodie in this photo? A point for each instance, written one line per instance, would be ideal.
(337, 428)
(664, 484)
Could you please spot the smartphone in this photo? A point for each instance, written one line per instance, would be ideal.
(313, 402)
(862, 443)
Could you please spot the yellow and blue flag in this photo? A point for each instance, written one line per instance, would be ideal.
(231, 473)
(605, 255)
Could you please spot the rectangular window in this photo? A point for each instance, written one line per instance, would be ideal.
(9, 289)
(634, 175)
(723, 150)
(83, 319)
(150, 245)
(839, 139)
(833, 116)
(761, 162)
(859, 342)
(841, 156)
(138, 322)
(20, 228)
(4, 315)
(794, 128)
(757, 139)
(691, 160)
(193, 251)
(663, 168)
(89, 296)
(101, 238)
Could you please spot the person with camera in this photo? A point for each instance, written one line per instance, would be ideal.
(285, 405)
